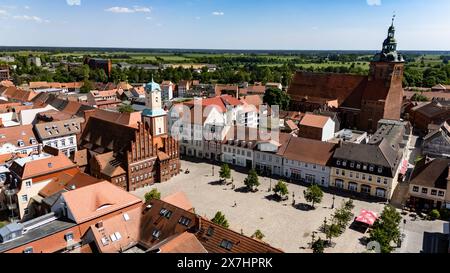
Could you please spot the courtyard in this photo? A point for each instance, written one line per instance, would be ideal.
(284, 226)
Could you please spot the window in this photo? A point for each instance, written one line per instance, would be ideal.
(28, 184)
(156, 233)
(226, 244)
(337, 171)
(338, 163)
(343, 173)
(68, 237)
(24, 198)
(26, 211)
(385, 181)
(210, 231)
(352, 186)
(364, 177)
(371, 168)
(425, 191)
(380, 170)
(126, 217)
(28, 250)
(357, 175)
(118, 235)
(352, 164)
(351, 174)
(358, 166)
(63, 142)
(166, 213)
(441, 193)
(365, 167)
(370, 178)
(378, 180)
(344, 163)
(113, 237)
(415, 189)
(433, 192)
(184, 221)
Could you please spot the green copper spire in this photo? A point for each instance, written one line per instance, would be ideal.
(389, 52)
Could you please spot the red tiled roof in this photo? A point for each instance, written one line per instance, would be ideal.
(312, 120)
(96, 200)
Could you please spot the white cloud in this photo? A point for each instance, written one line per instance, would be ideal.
(142, 9)
(3, 12)
(129, 10)
(374, 2)
(197, 18)
(73, 2)
(148, 18)
(31, 18)
(218, 13)
(27, 7)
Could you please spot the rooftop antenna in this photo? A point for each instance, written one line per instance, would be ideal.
(393, 18)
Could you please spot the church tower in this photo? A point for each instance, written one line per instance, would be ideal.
(154, 116)
(383, 96)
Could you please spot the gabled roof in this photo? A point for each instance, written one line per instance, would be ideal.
(309, 150)
(12, 135)
(316, 121)
(69, 180)
(38, 165)
(212, 235)
(185, 242)
(179, 199)
(434, 174)
(109, 166)
(118, 233)
(96, 200)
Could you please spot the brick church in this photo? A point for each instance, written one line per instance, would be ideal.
(133, 155)
(361, 101)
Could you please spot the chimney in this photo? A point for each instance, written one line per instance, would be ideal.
(40, 148)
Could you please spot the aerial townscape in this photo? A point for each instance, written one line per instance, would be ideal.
(116, 150)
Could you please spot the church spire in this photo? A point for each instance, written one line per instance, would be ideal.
(389, 51)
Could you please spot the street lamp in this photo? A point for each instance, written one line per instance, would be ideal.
(334, 198)
(313, 238)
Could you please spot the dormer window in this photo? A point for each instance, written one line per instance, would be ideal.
(226, 244)
(32, 141)
(371, 168)
(380, 170)
(344, 163)
(21, 143)
(156, 233)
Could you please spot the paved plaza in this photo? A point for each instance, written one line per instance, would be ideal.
(283, 225)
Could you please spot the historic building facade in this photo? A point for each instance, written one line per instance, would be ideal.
(133, 156)
(360, 100)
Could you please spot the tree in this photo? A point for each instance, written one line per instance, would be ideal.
(318, 246)
(313, 194)
(225, 172)
(342, 217)
(87, 86)
(126, 108)
(331, 231)
(275, 96)
(434, 214)
(220, 219)
(258, 235)
(252, 180)
(281, 189)
(387, 229)
(153, 194)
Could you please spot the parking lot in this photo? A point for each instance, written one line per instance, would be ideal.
(284, 226)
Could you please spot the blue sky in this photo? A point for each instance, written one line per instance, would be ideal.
(225, 24)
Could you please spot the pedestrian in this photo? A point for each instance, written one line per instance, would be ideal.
(235, 204)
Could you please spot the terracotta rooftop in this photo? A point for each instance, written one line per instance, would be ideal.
(39, 165)
(15, 134)
(109, 166)
(68, 180)
(217, 239)
(312, 120)
(179, 199)
(185, 242)
(309, 150)
(118, 233)
(96, 200)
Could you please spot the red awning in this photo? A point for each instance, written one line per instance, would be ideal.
(404, 167)
(367, 217)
